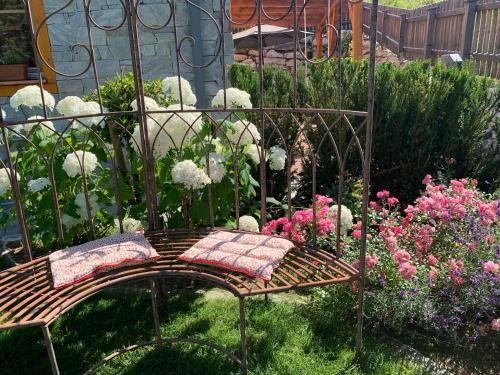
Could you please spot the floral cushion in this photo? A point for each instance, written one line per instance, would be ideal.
(75, 264)
(255, 255)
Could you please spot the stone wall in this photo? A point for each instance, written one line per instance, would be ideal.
(68, 28)
(276, 56)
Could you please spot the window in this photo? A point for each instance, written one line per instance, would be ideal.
(17, 58)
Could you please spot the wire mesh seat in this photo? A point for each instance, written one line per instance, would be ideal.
(28, 299)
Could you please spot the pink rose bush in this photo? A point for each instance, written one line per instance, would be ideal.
(432, 266)
(320, 221)
(437, 262)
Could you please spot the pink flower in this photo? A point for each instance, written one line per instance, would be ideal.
(371, 261)
(383, 194)
(401, 256)
(427, 179)
(432, 260)
(322, 200)
(392, 201)
(491, 267)
(432, 276)
(374, 205)
(456, 265)
(266, 231)
(457, 280)
(354, 288)
(356, 233)
(495, 324)
(407, 270)
(355, 264)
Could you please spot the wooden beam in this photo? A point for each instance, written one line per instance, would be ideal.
(356, 15)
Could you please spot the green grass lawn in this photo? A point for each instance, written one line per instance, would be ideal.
(408, 4)
(284, 338)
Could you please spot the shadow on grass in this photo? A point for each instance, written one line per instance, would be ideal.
(283, 338)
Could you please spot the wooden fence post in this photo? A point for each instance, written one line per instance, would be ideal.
(402, 33)
(382, 35)
(468, 28)
(429, 34)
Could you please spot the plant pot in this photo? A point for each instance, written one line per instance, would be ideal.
(14, 72)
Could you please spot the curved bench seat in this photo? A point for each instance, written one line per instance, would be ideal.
(27, 297)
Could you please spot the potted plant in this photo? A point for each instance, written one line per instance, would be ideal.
(13, 66)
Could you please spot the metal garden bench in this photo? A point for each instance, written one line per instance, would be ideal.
(27, 297)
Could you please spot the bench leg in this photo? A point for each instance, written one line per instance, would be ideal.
(155, 309)
(50, 350)
(244, 348)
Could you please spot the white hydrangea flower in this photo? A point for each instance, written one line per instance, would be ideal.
(248, 223)
(170, 87)
(167, 131)
(186, 173)
(216, 163)
(277, 159)
(69, 106)
(346, 217)
(82, 206)
(46, 126)
(38, 184)
(89, 108)
(72, 162)
(5, 185)
(31, 97)
(235, 98)
(242, 133)
(253, 152)
(130, 225)
(70, 221)
(151, 104)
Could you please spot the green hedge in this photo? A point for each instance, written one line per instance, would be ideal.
(425, 115)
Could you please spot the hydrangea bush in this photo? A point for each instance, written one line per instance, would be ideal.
(90, 161)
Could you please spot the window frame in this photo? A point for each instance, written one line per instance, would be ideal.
(50, 83)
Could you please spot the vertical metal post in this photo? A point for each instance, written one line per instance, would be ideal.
(147, 157)
(16, 192)
(154, 305)
(199, 73)
(244, 348)
(468, 28)
(366, 177)
(50, 350)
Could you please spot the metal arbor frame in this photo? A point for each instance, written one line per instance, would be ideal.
(26, 297)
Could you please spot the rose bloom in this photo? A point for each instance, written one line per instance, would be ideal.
(383, 194)
(490, 266)
(407, 270)
(432, 260)
(392, 201)
(427, 179)
(371, 261)
(495, 324)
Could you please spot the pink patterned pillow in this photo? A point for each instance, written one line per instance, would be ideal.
(255, 255)
(78, 263)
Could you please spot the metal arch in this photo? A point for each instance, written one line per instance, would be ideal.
(132, 20)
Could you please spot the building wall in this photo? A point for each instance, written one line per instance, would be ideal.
(67, 28)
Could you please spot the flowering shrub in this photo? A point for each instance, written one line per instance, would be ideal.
(319, 221)
(435, 265)
(74, 159)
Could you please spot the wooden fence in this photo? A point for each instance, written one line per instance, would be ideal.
(468, 27)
